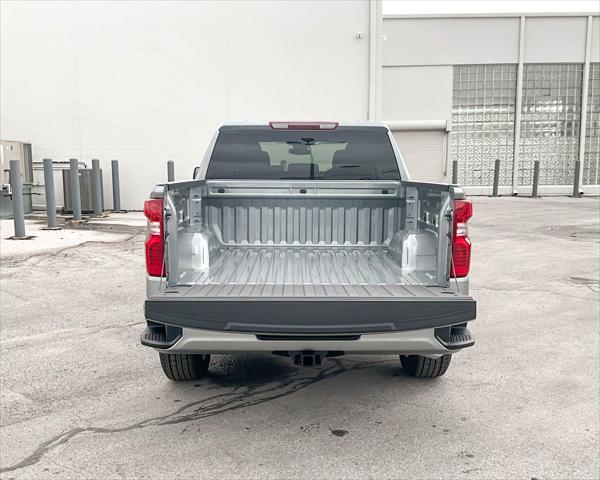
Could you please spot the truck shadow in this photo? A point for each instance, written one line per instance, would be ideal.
(255, 370)
(249, 370)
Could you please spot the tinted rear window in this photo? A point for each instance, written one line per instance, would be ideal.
(346, 153)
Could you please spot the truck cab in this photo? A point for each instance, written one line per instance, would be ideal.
(307, 240)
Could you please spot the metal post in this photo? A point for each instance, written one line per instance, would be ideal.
(50, 198)
(96, 187)
(171, 171)
(75, 192)
(16, 183)
(115, 186)
(576, 193)
(496, 177)
(536, 178)
(455, 172)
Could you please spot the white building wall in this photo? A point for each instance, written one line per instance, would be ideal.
(555, 39)
(147, 83)
(595, 49)
(419, 53)
(450, 41)
(417, 93)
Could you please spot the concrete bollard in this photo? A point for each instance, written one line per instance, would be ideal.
(536, 179)
(496, 178)
(455, 172)
(115, 186)
(50, 197)
(96, 188)
(74, 187)
(576, 193)
(16, 184)
(171, 171)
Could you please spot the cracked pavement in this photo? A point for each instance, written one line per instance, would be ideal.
(81, 398)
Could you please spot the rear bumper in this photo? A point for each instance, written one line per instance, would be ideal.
(310, 316)
(423, 342)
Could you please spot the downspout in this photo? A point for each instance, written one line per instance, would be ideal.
(585, 81)
(375, 23)
(518, 108)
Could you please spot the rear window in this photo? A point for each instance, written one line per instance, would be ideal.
(346, 153)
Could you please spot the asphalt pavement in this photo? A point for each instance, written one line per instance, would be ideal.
(81, 398)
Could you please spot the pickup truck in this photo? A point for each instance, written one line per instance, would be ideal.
(306, 240)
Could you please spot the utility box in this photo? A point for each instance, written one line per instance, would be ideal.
(11, 150)
(85, 188)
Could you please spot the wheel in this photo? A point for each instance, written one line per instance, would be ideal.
(184, 367)
(425, 367)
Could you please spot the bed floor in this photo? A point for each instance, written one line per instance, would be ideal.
(307, 272)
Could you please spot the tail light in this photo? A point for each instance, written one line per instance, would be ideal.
(461, 245)
(303, 125)
(155, 240)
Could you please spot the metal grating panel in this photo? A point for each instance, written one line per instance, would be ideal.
(551, 111)
(304, 221)
(591, 158)
(483, 115)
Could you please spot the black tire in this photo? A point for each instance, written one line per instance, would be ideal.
(184, 367)
(424, 367)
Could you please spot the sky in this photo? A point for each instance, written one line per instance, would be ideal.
(391, 7)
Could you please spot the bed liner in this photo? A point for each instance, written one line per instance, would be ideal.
(306, 271)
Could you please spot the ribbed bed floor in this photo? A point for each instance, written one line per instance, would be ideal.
(306, 272)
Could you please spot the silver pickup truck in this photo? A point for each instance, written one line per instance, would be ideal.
(306, 240)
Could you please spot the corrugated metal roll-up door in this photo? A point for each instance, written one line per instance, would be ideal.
(424, 153)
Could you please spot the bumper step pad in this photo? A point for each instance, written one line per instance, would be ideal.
(454, 338)
(160, 336)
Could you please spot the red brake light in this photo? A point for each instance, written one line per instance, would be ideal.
(461, 245)
(463, 210)
(303, 125)
(155, 243)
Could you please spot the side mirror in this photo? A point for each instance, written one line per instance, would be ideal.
(196, 170)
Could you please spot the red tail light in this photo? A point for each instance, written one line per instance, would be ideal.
(461, 245)
(303, 125)
(155, 240)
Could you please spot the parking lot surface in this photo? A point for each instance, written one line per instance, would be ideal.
(81, 398)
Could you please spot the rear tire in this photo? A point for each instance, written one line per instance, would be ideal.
(184, 367)
(425, 367)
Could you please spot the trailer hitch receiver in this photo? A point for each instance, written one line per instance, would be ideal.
(308, 358)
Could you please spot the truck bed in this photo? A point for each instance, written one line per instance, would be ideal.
(305, 272)
(316, 290)
(292, 257)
